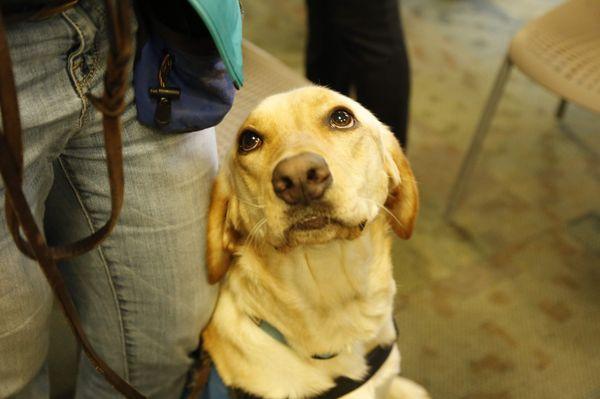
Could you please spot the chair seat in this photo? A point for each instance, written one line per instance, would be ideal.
(561, 51)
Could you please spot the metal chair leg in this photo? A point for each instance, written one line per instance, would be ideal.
(468, 162)
(562, 107)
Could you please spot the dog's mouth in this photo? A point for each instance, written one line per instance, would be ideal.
(313, 223)
(319, 229)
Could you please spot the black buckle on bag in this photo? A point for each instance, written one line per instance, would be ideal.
(164, 94)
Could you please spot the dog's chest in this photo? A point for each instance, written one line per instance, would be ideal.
(328, 297)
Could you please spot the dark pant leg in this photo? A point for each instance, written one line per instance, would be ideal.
(324, 49)
(385, 90)
(359, 43)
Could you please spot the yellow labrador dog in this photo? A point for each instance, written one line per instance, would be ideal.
(298, 235)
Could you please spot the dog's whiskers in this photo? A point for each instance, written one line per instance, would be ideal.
(383, 208)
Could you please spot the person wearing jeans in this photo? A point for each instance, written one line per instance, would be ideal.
(142, 294)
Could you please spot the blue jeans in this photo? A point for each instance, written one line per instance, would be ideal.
(142, 295)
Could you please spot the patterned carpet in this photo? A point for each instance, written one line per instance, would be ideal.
(503, 303)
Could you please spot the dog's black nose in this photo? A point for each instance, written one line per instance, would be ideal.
(301, 178)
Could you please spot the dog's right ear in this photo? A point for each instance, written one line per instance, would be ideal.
(403, 195)
(221, 236)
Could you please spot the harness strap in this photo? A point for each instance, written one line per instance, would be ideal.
(271, 330)
(343, 385)
(19, 216)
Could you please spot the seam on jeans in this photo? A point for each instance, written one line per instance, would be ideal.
(94, 67)
(25, 322)
(85, 81)
(115, 295)
(71, 61)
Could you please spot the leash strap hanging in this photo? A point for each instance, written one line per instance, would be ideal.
(19, 216)
(111, 104)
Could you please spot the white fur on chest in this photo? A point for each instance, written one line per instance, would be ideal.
(330, 298)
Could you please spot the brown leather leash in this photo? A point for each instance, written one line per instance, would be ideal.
(18, 214)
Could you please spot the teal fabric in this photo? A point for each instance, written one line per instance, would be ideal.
(223, 18)
(273, 332)
(278, 335)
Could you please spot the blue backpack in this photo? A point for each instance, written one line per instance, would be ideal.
(184, 83)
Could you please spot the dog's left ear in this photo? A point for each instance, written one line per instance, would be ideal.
(403, 196)
(221, 237)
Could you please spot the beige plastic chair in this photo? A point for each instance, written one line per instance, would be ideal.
(561, 51)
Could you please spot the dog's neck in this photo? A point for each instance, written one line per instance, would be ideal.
(341, 290)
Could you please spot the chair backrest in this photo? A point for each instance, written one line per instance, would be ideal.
(561, 50)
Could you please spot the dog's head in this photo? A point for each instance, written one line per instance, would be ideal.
(310, 166)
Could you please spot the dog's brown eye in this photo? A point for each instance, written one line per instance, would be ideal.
(341, 118)
(249, 141)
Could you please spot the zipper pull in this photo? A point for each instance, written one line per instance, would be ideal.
(164, 94)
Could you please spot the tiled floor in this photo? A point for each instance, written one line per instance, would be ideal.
(504, 303)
